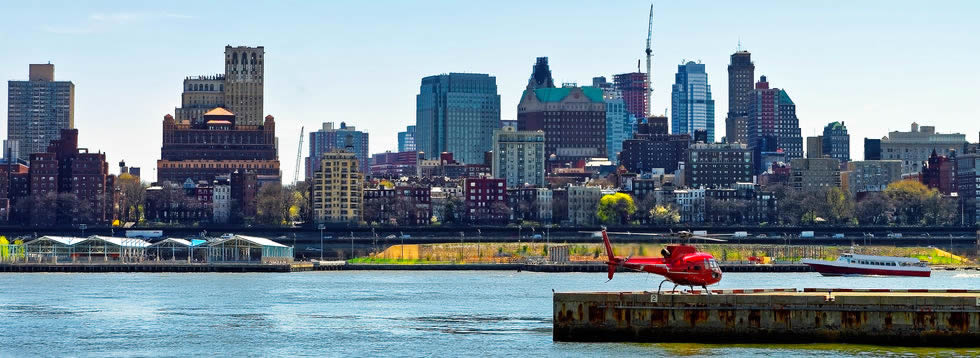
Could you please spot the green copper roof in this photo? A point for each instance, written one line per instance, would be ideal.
(784, 98)
(557, 94)
(836, 126)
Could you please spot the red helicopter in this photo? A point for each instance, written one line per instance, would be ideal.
(681, 264)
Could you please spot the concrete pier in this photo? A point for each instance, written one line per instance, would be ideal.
(888, 317)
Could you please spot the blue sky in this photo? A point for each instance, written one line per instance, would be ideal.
(877, 65)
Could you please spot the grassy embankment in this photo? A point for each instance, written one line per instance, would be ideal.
(734, 253)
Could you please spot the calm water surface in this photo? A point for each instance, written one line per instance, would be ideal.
(358, 313)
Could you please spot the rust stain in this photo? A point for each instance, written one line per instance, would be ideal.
(782, 316)
(695, 316)
(596, 315)
(924, 320)
(959, 321)
(888, 321)
(755, 318)
(818, 319)
(727, 317)
(852, 319)
(658, 318)
(580, 315)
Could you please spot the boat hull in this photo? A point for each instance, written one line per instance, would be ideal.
(839, 270)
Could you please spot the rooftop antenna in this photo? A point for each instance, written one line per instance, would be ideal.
(739, 45)
(649, 51)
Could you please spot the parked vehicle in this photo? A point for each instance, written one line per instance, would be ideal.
(806, 234)
(838, 236)
(740, 235)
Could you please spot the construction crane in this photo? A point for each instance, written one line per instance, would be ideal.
(649, 59)
(299, 155)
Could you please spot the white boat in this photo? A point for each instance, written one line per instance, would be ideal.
(852, 264)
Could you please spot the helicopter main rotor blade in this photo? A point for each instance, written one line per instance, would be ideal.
(708, 238)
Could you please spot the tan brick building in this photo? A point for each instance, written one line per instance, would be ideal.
(338, 189)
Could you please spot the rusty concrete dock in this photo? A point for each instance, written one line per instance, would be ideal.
(948, 318)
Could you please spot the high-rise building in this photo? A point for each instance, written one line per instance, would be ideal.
(652, 147)
(38, 110)
(573, 120)
(914, 147)
(815, 173)
(541, 74)
(518, 157)
(717, 165)
(872, 149)
(634, 88)
(691, 105)
(836, 142)
(65, 168)
(201, 94)
(338, 189)
(457, 113)
(244, 79)
(330, 138)
(239, 89)
(772, 118)
(406, 140)
(967, 182)
(814, 147)
(217, 145)
(620, 124)
(741, 73)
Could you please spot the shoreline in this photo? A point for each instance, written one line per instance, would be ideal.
(344, 266)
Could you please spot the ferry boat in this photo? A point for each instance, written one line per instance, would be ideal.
(851, 264)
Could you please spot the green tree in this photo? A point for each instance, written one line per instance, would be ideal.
(273, 204)
(665, 214)
(840, 205)
(132, 197)
(4, 248)
(909, 198)
(615, 208)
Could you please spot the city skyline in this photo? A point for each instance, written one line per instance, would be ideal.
(122, 93)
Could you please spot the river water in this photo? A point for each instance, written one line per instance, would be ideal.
(343, 313)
